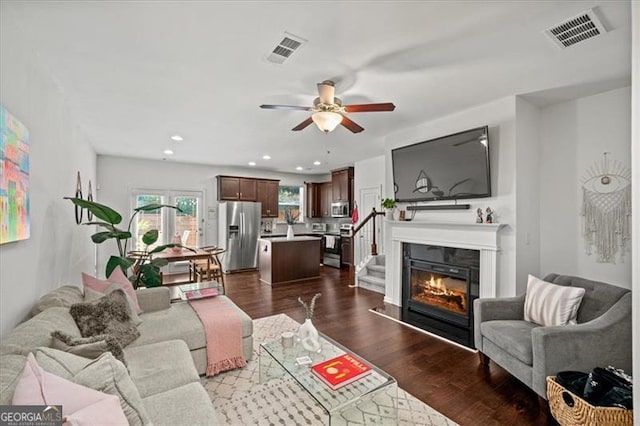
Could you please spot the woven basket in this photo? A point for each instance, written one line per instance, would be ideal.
(569, 409)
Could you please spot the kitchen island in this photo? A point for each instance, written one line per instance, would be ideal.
(285, 260)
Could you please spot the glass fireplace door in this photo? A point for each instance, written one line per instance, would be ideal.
(440, 291)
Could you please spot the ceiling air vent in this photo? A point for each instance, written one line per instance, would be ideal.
(577, 29)
(285, 48)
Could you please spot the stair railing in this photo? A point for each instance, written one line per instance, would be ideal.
(364, 243)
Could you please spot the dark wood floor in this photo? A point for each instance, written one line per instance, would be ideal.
(444, 376)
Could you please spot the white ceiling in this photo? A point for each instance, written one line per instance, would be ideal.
(136, 72)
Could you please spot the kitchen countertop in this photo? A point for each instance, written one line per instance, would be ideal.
(284, 239)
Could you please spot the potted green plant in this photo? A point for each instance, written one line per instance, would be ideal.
(389, 205)
(145, 270)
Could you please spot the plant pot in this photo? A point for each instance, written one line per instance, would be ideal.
(290, 234)
(390, 213)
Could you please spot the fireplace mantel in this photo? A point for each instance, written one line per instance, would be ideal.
(475, 236)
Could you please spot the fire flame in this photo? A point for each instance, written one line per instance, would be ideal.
(436, 284)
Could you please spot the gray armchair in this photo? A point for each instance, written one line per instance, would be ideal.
(531, 352)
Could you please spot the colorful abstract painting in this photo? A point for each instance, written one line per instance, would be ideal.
(14, 183)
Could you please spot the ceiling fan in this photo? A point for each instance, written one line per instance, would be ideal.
(328, 110)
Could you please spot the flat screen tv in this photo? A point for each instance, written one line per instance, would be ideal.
(448, 168)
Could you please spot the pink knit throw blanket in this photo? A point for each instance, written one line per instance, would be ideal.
(223, 330)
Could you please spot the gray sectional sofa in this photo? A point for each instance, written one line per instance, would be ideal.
(162, 375)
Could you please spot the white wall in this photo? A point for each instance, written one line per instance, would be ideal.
(58, 250)
(369, 173)
(117, 176)
(574, 135)
(527, 224)
(635, 181)
(500, 117)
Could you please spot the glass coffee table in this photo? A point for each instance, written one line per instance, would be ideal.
(369, 400)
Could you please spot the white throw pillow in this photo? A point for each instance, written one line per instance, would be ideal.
(550, 304)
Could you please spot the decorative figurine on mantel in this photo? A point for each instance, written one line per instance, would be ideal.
(479, 218)
(490, 214)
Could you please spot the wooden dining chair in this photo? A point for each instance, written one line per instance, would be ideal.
(140, 257)
(208, 269)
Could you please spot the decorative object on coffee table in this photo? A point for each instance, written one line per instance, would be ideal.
(341, 370)
(307, 332)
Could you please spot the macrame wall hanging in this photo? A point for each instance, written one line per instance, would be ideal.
(606, 208)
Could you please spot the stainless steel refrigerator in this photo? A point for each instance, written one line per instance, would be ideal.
(238, 232)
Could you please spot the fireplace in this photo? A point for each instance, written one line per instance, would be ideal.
(439, 285)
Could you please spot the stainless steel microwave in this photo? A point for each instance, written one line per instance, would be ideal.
(340, 209)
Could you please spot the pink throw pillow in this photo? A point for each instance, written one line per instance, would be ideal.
(117, 277)
(80, 405)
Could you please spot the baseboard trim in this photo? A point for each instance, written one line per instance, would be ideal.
(424, 331)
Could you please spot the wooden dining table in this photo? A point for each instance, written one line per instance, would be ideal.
(171, 255)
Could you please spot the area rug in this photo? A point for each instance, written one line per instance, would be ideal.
(239, 398)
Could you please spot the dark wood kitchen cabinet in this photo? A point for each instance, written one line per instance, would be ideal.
(314, 199)
(267, 195)
(319, 198)
(326, 192)
(342, 184)
(232, 188)
(347, 251)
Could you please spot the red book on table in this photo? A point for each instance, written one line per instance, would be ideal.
(341, 370)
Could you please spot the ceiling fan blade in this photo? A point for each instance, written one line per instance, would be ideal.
(388, 106)
(326, 92)
(303, 125)
(289, 107)
(351, 125)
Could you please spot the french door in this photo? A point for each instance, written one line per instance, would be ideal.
(187, 223)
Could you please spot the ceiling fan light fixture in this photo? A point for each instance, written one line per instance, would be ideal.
(326, 121)
(326, 90)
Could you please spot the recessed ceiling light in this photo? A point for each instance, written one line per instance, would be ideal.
(316, 163)
(168, 152)
(266, 157)
(299, 168)
(252, 163)
(176, 138)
